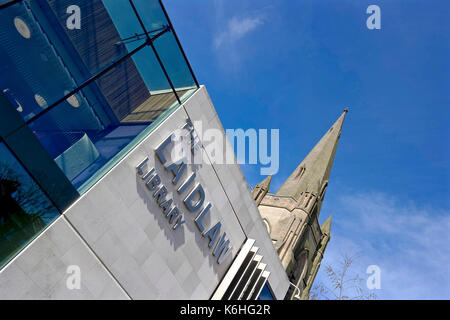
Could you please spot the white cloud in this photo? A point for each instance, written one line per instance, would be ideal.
(409, 242)
(236, 29)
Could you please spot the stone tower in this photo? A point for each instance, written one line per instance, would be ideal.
(292, 214)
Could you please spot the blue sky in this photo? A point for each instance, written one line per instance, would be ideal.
(295, 65)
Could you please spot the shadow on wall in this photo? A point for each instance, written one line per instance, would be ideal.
(177, 238)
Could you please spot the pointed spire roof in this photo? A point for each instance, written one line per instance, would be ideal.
(265, 184)
(326, 226)
(315, 169)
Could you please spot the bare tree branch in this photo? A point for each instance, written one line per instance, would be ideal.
(345, 285)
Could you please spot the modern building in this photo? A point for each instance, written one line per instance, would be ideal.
(95, 202)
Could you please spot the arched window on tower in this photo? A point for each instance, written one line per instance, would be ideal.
(324, 189)
(304, 199)
(310, 198)
(300, 173)
(314, 211)
(260, 191)
(308, 201)
(302, 265)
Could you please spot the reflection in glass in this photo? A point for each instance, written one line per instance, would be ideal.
(107, 118)
(176, 67)
(167, 47)
(42, 58)
(89, 94)
(24, 208)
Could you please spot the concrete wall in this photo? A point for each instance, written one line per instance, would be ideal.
(125, 247)
(39, 271)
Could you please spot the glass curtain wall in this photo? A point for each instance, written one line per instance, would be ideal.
(91, 78)
(25, 209)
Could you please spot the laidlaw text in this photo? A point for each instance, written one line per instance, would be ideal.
(194, 200)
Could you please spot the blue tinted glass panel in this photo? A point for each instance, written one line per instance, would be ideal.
(25, 210)
(167, 46)
(173, 60)
(90, 91)
(45, 56)
(266, 293)
(88, 130)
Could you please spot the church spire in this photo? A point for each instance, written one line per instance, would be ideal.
(326, 226)
(314, 171)
(261, 189)
(265, 184)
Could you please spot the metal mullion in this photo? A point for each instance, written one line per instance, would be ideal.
(31, 176)
(95, 77)
(139, 19)
(179, 43)
(154, 50)
(6, 5)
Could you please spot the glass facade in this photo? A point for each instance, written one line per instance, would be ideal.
(25, 209)
(88, 87)
(81, 83)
